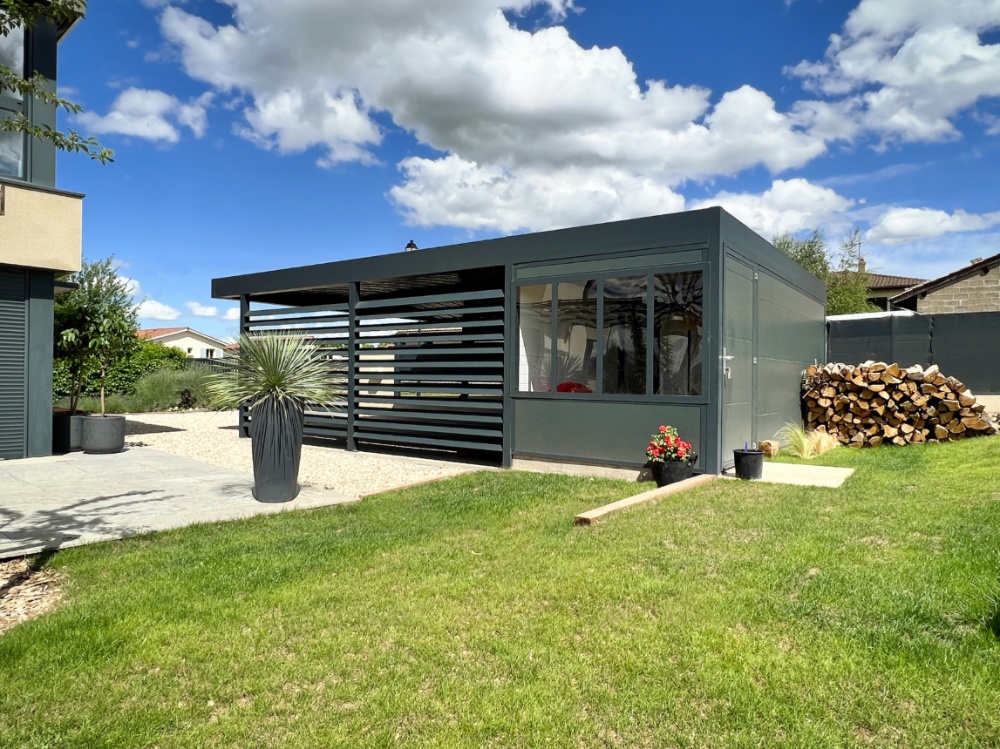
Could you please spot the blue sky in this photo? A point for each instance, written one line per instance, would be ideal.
(252, 135)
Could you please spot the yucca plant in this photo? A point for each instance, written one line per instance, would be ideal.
(277, 377)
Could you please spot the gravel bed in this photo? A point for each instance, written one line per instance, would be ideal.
(212, 437)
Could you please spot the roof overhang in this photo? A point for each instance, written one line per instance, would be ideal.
(980, 268)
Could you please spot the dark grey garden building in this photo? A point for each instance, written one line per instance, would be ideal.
(567, 345)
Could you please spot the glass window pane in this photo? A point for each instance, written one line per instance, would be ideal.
(677, 333)
(625, 335)
(576, 356)
(12, 56)
(11, 152)
(534, 316)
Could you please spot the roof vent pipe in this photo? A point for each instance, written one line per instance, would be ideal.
(411, 246)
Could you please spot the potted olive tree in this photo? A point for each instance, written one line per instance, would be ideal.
(95, 328)
(277, 377)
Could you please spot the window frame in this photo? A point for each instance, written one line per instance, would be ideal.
(649, 272)
(12, 105)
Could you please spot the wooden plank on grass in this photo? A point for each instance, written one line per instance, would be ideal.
(592, 516)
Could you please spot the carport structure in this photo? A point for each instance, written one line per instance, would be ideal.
(569, 345)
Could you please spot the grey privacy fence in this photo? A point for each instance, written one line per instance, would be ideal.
(965, 345)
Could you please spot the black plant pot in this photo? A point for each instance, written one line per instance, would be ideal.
(670, 472)
(276, 442)
(749, 464)
(67, 432)
(103, 434)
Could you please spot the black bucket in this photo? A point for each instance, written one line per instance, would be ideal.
(749, 464)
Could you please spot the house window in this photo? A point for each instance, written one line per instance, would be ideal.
(11, 104)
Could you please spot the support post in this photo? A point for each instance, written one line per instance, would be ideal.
(352, 358)
(244, 428)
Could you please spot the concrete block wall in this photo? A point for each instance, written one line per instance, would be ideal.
(977, 294)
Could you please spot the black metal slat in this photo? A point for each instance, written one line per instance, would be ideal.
(466, 296)
(441, 404)
(419, 377)
(297, 310)
(404, 439)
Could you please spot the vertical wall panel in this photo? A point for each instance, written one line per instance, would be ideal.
(13, 364)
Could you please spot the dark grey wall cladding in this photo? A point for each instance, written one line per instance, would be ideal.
(963, 345)
(604, 432)
(967, 346)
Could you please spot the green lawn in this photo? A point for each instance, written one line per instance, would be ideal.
(472, 613)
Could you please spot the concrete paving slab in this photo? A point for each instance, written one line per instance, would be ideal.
(54, 503)
(800, 475)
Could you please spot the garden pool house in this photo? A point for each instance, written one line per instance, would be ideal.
(570, 345)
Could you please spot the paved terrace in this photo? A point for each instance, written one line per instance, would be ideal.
(75, 499)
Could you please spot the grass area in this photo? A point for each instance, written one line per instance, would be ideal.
(472, 613)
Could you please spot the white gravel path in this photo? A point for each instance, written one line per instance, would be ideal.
(212, 437)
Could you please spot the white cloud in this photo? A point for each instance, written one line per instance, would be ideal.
(151, 115)
(233, 313)
(513, 113)
(454, 192)
(901, 225)
(906, 69)
(201, 310)
(150, 309)
(131, 285)
(787, 206)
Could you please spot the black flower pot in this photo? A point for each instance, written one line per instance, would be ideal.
(103, 434)
(749, 464)
(276, 429)
(670, 472)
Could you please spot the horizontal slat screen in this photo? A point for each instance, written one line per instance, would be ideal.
(427, 371)
(13, 363)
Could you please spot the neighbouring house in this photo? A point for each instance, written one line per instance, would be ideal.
(882, 288)
(40, 236)
(195, 344)
(571, 345)
(974, 288)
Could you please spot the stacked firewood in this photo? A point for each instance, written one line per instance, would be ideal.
(875, 403)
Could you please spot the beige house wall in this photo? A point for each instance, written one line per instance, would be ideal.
(40, 228)
(194, 346)
(976, 294)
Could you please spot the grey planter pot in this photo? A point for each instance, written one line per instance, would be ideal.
(276, 430)
(103, 434)
(67, 432)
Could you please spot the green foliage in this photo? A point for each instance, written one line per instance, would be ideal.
(165, 389)
(124, 374)
(810, 253)
(275, 367)
(95, 324)
(161, 390)
(27, 14)
(844, 275)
